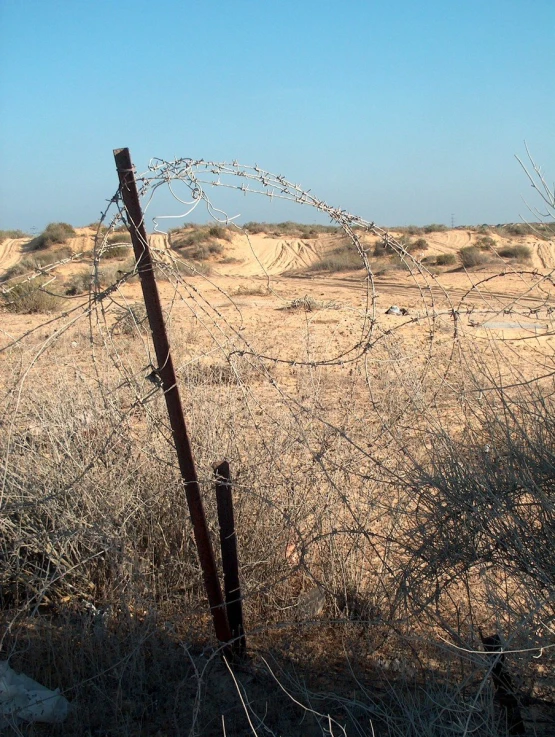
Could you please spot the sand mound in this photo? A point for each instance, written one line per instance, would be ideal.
(257, 255)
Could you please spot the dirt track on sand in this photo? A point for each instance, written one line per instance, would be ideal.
(11, 251)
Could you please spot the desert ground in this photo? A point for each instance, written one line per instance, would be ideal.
(356, 435)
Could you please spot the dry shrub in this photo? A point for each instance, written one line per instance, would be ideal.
(33, 296)
(131, 320)
(340, 259)
(12, 234)
(96, 533)
(245, 290)
(79, 283)
(446, 259)
(472, 256)
(518, 252)
(53, 233)
(38, 261)
(116, 252)
(291, 229)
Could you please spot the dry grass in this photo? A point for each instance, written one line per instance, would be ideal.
(97, 544)
(362, 483)
(33, 296)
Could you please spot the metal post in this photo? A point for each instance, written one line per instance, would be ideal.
(165, 370)
(230, 561)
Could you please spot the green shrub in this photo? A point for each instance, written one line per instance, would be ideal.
(445, 259)
(485, 243)
(516, 229)
(545, 231)
(53, 233)
(52, 257)
(472, 256)
(380, 248)
(217, 231)
(116, 252)
(290, 228)
(198, 243)
(255, 228)
(518, 252)
(32, 297)
(430, 260)
(118, 238)
(408, 229)
(420, 244)
(434, 228)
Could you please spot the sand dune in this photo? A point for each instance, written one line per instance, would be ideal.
(262, 254)
(257, 255)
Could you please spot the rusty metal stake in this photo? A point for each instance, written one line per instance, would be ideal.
(166, 373)
(230, 560)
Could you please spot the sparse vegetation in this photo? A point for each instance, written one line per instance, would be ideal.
(199, 242)
(250, 290)
(309, 304)
(33, 296)
(434, 228)
(343, 258)
(486, 243)
(131, 320)
(12, 234)
(519, 252)
(118, 238)
(446, 259)
(542, 230)
(419, 512)
(78, 283)
(472, 256)
(420, 244)
(38, 261)
(291, 229)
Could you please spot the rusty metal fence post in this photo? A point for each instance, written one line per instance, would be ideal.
(166, 373)
(230, 560)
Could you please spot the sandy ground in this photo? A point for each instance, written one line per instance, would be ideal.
(515, 297)
(11, 251)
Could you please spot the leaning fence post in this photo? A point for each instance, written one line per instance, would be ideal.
(230, 561)
(166, 373)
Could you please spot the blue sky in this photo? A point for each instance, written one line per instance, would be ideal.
(399, 111)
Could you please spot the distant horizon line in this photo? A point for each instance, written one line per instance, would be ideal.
(431, 227)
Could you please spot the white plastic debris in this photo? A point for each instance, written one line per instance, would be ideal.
(24, 700)
(393, 310)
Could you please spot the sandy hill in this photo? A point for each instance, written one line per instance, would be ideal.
(234, 253)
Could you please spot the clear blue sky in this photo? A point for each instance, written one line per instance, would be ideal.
(399, 111)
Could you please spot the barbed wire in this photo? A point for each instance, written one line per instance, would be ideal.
(322, 407)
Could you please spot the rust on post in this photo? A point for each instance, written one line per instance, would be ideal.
(230, 560)
(165, 370)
